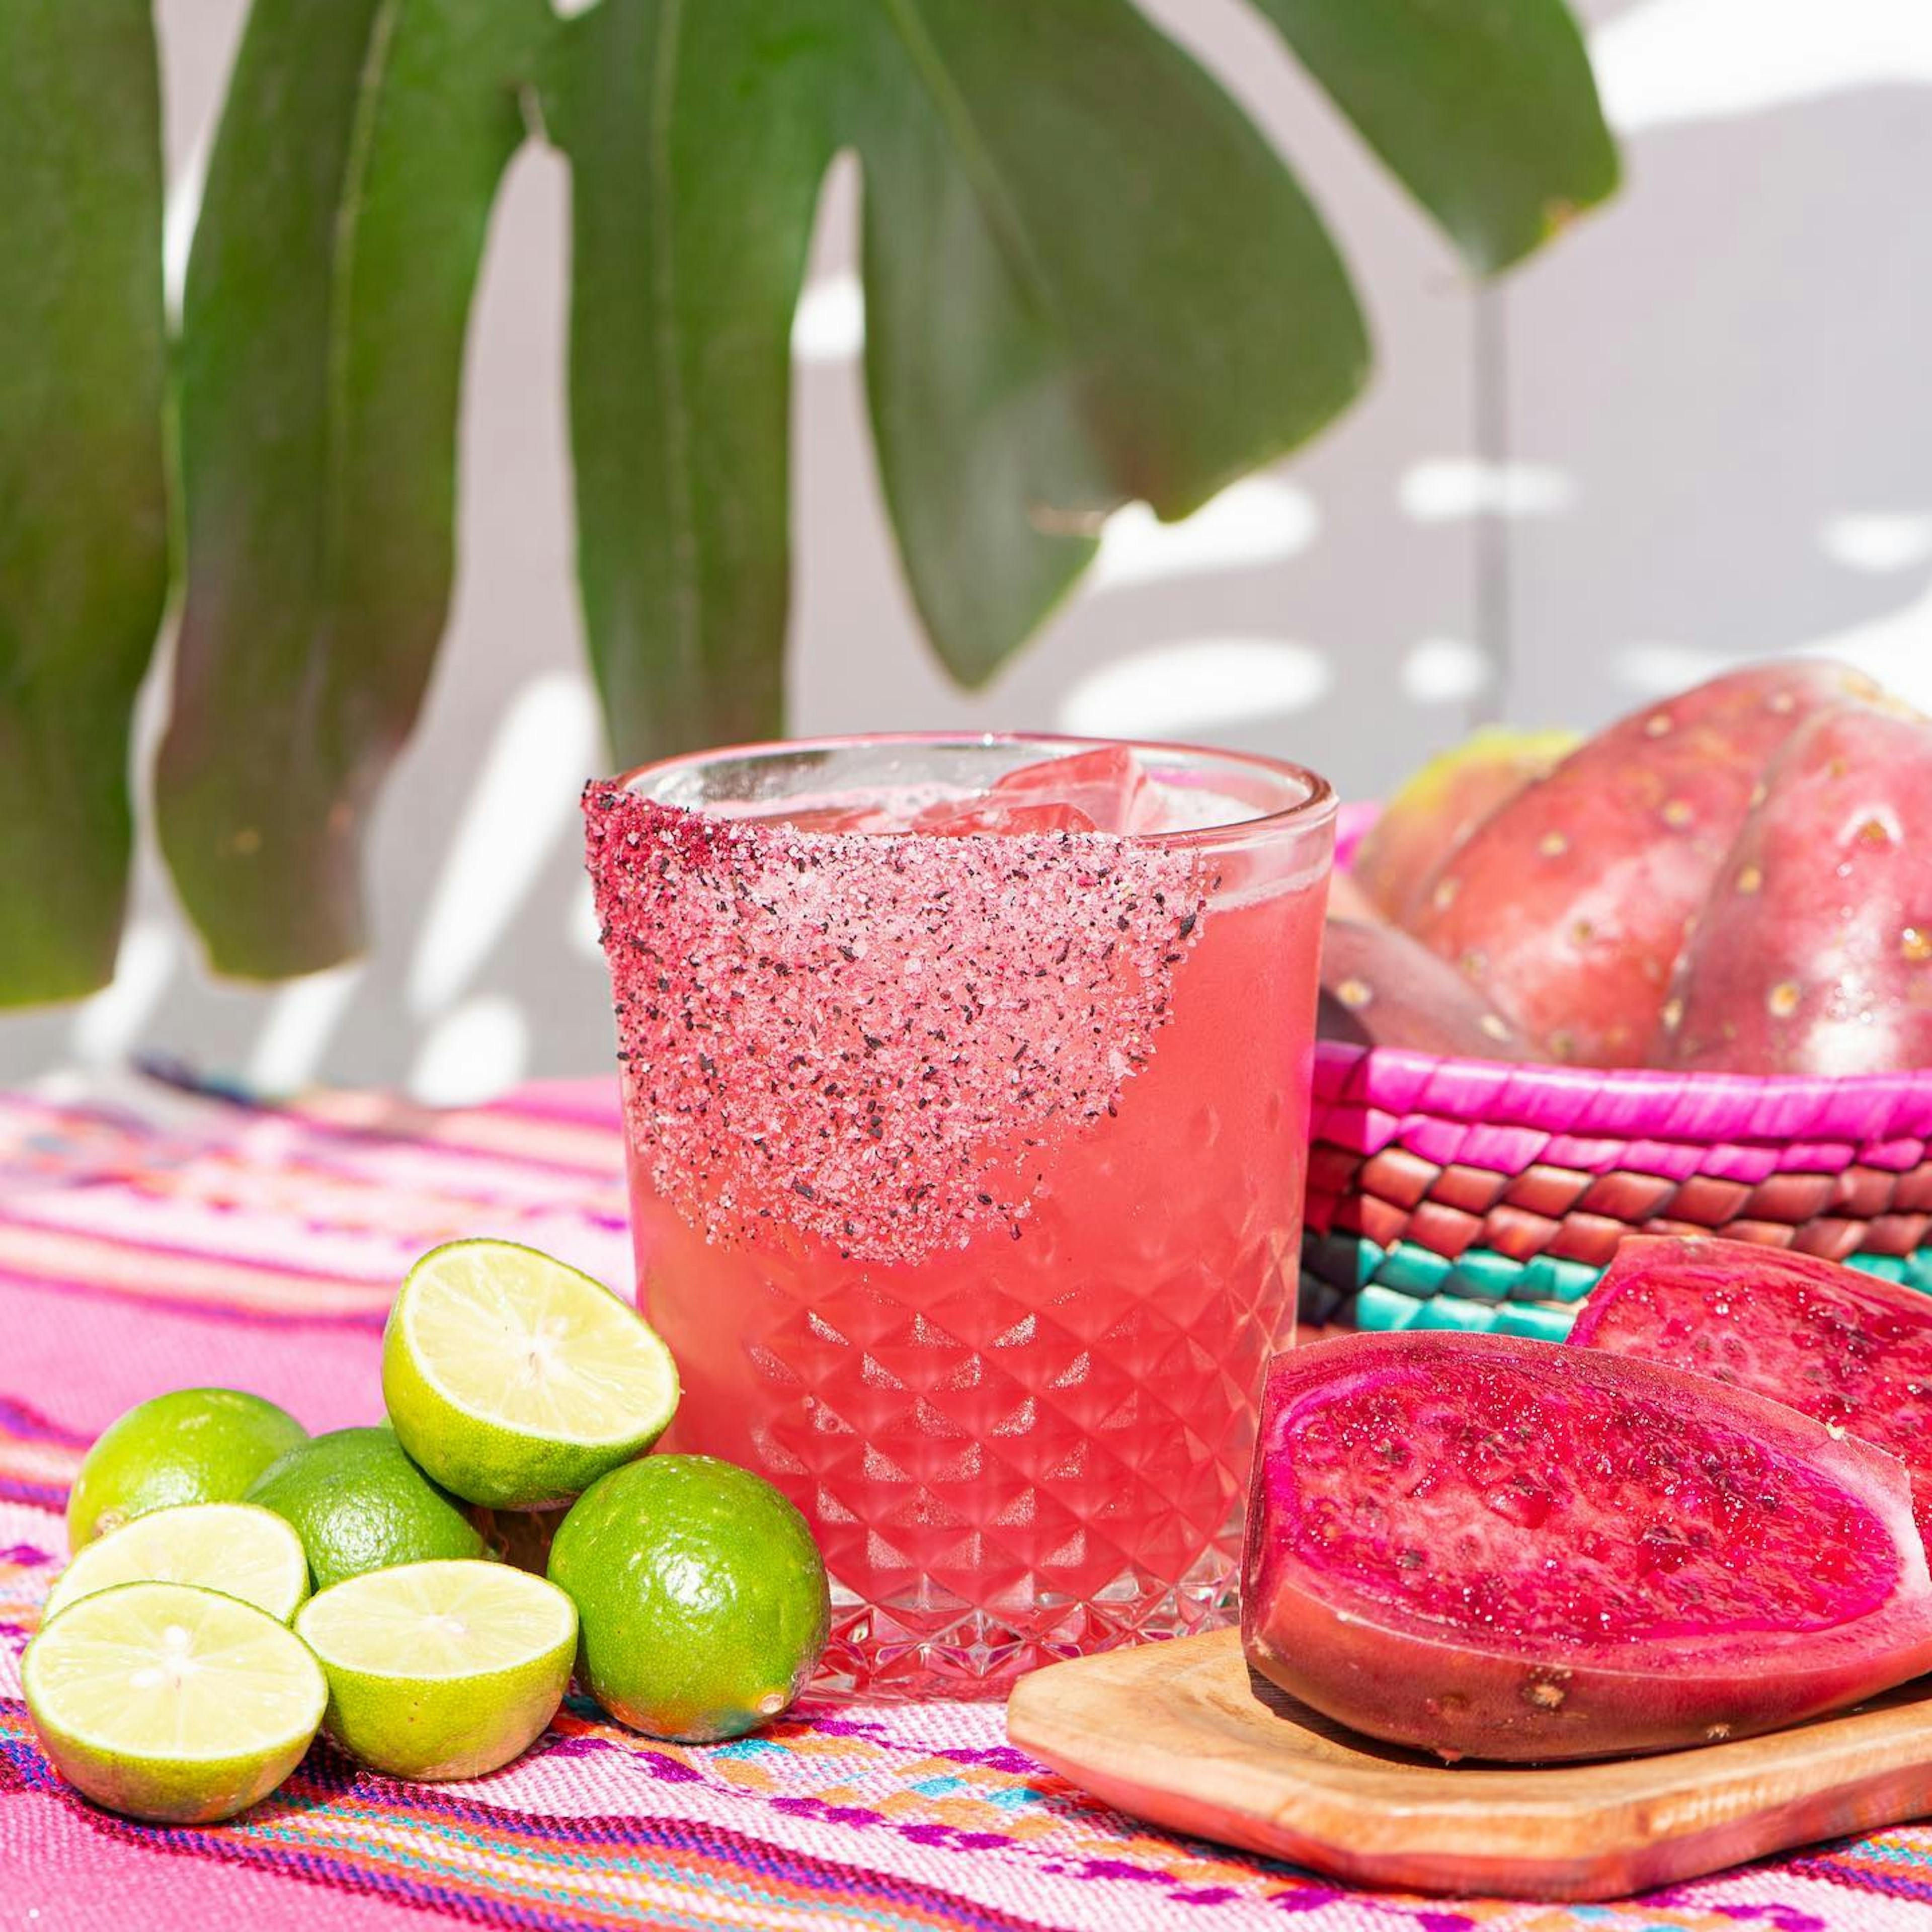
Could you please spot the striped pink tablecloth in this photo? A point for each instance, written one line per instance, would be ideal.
(157, 1240)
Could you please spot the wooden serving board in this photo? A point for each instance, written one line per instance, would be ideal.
(1184, 1734)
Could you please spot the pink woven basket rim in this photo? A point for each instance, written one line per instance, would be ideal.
(1639, 1101)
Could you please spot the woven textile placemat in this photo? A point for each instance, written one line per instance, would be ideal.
(149, 1241)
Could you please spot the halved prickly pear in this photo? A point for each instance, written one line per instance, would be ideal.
(1813, 954)
(1850, 1350)
(1485, 1547)
(1380, 987)
(1569, 904)
(1422, 824)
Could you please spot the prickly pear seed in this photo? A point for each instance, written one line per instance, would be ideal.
(1750, 878)
(1783, 1000)
(1673, 1014)
(1916, 945)
(1553, 844)
(1354, 993)
(1657, 724)
(1444, 894)
(1677, 814)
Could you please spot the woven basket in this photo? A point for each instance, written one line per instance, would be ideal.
(1466, 1194)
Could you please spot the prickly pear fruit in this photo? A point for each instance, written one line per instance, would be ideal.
(1569, 904)
(1346, 900)
(1380, 987)
(1487, 1547)
(1424, 824)
(1813, 954)
(1849, 1349)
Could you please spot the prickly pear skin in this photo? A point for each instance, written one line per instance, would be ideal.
(1380, 987)
(1346, 900)
(1487, 1547)
(1569, 904)
(1419, 830)
(1849, 1349)
(1814, 952)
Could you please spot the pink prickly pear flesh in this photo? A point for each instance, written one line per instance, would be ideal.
(1814, 952)
(1380, 988)
(1568, 906)
(1850, 1350)
(1487, 1547)
(1423, 825)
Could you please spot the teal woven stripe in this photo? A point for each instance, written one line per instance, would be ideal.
(1348, 1281)
(1914, 1270)
(1477, 1274)
(1382, 1309)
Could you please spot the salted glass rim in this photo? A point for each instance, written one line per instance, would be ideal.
(1319, 804)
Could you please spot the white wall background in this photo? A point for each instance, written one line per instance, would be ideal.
(1698, 431)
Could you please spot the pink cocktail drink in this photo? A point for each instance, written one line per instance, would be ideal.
(966, 1097)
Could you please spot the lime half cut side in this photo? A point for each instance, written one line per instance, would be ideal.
(515, 1381)
(235, 1548)
(171, 1703)
(441, 1670)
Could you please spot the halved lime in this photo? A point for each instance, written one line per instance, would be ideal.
(441, 1669)
(171, 1703)
(235, 1548)
(517, 1381)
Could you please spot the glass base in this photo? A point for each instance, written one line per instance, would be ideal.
(934, 1644)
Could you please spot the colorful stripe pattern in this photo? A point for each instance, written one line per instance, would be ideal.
(153, 1242)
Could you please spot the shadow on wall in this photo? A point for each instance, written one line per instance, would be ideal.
(1731, 369)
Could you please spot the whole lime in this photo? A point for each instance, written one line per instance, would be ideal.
(196, 1445)
(359, 1503)
(701, 1599)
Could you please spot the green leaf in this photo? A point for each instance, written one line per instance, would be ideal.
(342, 226)
(1089, 279)
(698, 136)
(83, 512)
(1071, 301)
(1485, 109)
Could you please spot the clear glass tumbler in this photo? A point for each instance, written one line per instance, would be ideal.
(966, 1149)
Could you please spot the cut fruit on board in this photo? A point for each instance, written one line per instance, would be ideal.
(1487, 1547)
(1851, 1351)
(1185, 1736)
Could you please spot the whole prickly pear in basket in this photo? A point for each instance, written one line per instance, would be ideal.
(1379, 988)
(1568, 905)
(1814, 952)
(1426, 821)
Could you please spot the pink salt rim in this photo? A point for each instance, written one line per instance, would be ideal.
(1320, 804)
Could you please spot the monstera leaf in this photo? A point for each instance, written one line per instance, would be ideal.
(83, 510)
(1087, 279)
(341, 228)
